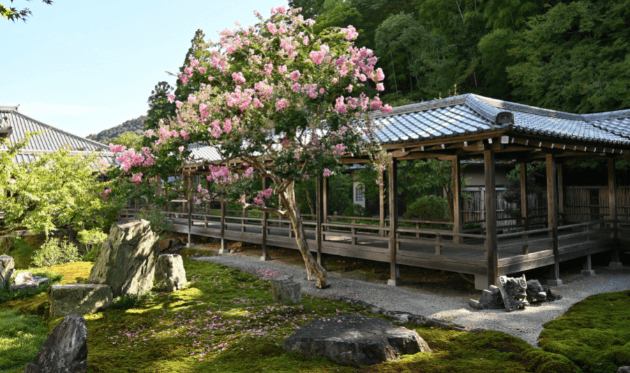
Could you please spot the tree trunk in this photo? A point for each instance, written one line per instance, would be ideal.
(313, 269)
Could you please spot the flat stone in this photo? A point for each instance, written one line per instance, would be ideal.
(491, 298)
(27, 280)
(170, 274)
(65, 349)
(625, 369)
(351, 339)
(7, 266)
(285, 290)
(78, 299)
(127, 259)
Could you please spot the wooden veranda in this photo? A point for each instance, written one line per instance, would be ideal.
(456, 129)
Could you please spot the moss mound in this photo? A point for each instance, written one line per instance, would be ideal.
(21, 336)
(594, 333)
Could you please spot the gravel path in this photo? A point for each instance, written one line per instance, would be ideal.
(525, 324)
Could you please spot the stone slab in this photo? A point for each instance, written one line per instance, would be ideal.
(352, 339)
(78, 299)
(29, 281)
(285, 290)
(170, 274)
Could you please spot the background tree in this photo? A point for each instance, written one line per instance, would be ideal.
(128, 139)
(160, 107)
(11, 13)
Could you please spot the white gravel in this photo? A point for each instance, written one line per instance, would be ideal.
(525, 324)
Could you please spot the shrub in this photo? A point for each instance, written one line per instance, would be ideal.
(21, 252)
(432, 208)
(93, 241)
(159, 221)
(356, 210)
(54, 252)
(6, 295)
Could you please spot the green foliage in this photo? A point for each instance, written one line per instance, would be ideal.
(54, 252)
(93, 240)
(6, 295)
(429, 207)
(54, 191)
(22, 252)
(21, 337)
(356, 210)
(125, 302)
(13, 14)
(159, 221)
(593, 333)
(129, 139)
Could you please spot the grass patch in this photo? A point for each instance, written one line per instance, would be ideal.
(226, 321)
(21, 336)
(7, 295)
(593, 333)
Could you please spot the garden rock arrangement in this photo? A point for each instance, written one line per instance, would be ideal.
(65, 349)
(127, 259)
(285, 290)
(7, 266)
(511, 294)
(78, 299)
(27, 280)
(351, 339)
(170, 273)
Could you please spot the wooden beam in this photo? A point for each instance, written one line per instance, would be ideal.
(223, 249)
(524, 203)
(381, 202)
(265, 215)
(393, 223)
(492, 253)
(458, 219)
(552, 214)
(318, 218)
(450, 140)
(190, 210)
(612, 206)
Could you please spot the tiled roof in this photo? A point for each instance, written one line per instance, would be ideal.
(467, 114)
(49, 141)
(206, 153)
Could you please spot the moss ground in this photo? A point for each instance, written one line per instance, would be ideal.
(594, 333)
(226, 321)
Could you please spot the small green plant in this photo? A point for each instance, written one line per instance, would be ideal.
(93, 240)
(430, 207)
(125, 302)
(356, 210)
(159, 221)
(54, 252)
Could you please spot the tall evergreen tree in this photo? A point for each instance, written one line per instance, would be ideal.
(160, 107)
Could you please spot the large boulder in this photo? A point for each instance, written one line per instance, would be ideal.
(351, 339)
(65, 349)
(78, 298)
(27, 280)
(7, 265)
(127, 259)
(170, 274)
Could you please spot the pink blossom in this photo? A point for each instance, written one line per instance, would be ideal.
(340, 106)
(362, 77)
(386, 109)
(379, 74)
(105, 194)
(117, 148)
(282, 69)
(317, 57)
(350, 88)
(327, 172)
(192, 99)
(183, 78)
(202, 70)
(380, 87)
(227, 127)
(181, 149)
(137, 177)
(305, 40)
(295, 75)
(272, 28)
(376, 104)
(171, 97)
(178, 104)
(351, 32)
(321, 91)
(238, 77)
(269, 68)
(281, 104)
(188, 70)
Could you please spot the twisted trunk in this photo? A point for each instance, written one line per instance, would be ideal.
(314, 271)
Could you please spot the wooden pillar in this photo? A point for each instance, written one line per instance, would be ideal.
(205, 218)
(265, 215)
(325, 199)
(319, 218)
(458, 220)
(136, 204)
(492, 252)
(393, 223)
(552, 217)
(381, 202)
(612, 214)
(190, 211)
(223, 249)
(524, 203)
(561, 210)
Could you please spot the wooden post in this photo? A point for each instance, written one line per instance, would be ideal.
(612, 214)
(381, 202)
(265, 250)
(524, 203)
(243, 220)
(318, 218)
(325, 199)
(205, 218)
(492, 252)
(458, 221)
(561, 210)
(190, 211)
(223, 249)
(136, 204)
(393, 223)
(552, 217)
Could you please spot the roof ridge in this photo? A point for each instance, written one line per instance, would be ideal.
(423, 106)
(62, 131)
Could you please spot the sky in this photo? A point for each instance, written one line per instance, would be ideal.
(85, 66)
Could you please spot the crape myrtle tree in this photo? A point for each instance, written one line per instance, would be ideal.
(277, 102)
